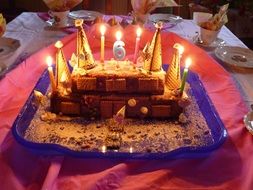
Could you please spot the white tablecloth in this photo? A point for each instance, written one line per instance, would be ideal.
(34, 34)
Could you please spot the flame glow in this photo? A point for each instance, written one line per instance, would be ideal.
(188, 62)
(118, 35)
(138, 32)
(102, 29)
(49, 61)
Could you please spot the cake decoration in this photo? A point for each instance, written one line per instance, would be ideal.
(187, 65)
(2, 25)
(63, 76)
(112, 106)
(119, 51)
(153, 61)
(173, 79)
(105, 88)
(84, 55)
(49, 61)
(137, 44)
(102, 46)
(132, 102)
(40, 99)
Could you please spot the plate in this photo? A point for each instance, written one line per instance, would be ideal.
(236, 56)
(166, 18)
(217, 130)
(8, 45)
(85, 15)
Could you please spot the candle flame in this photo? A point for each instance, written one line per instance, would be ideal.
(118, 35)
(138, 32)
(188, 62)
(102, 29)
(49, 61)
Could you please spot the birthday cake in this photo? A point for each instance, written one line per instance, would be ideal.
(99, 89)
(115, 104)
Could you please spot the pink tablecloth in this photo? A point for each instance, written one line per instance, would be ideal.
(229, 167)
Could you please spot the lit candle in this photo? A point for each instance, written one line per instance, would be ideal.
(102, 31)
(137, 43)
(186, 69)
(119, 51)
(49, 61)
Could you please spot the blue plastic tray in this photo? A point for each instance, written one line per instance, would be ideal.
(208, 110)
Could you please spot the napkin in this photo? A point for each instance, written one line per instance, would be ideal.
(2, 25)
(62, 5)
(146, 6)
(218, 20)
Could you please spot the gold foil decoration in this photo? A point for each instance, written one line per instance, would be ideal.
(2, 25)
(153, 61)
(146, 56)
(63, 76)
(173, 78)
(84, 55)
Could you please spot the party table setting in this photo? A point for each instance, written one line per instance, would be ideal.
(220, 74)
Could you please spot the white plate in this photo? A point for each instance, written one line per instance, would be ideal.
(85, 15)
(236, 56)
(7, 46)
(166, 18)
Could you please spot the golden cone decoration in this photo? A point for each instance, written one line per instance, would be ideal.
(2, 25)
(154, 62)
(121, 112)
(146, 56)
(63, 76)
(119, 117)
(173, 79)
(84, 55)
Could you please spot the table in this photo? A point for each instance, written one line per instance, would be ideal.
(229, 167)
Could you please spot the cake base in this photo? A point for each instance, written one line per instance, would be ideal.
(136, 135)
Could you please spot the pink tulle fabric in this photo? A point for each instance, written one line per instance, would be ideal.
(228, 167)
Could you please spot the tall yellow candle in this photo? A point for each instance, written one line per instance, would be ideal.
(188, 62)
(102, 31)
(49, 61)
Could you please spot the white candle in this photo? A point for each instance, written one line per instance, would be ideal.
(186, 69)
(102, 31)
(119, 51)
(137, 44)
(49, 61)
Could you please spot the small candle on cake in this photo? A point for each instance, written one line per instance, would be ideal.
(102, 31)
(188, 62)
(119, 51)
(49, 61)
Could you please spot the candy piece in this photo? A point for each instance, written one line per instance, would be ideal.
(132, 102)
(144, 110)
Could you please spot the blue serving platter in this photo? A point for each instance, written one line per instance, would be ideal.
(218, 131)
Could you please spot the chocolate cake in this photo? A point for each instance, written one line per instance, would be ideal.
(117, 104)
(96, 89)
